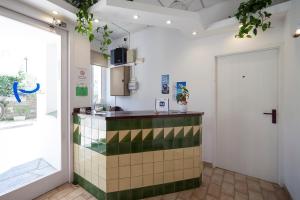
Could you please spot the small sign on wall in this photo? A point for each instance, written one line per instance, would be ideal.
(165, 84)
(82, 82)
(162, 105)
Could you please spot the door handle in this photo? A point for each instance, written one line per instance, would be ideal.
(274, 116)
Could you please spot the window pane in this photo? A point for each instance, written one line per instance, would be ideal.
(97, 84)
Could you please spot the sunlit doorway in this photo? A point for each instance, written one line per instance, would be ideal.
(32, 124)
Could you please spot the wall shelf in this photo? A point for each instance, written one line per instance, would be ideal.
(138, 61)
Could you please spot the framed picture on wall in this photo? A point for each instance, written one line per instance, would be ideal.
(161, 105)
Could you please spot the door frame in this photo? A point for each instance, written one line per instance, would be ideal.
(47, 183)
(279, 100)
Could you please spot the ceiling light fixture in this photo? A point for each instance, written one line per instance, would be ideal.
(194, 33)
(54, 12)
(96, 20)
(297, 33)
(136, 16)
(168, 22)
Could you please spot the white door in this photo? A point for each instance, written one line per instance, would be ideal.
(33, 126)
(247, 138)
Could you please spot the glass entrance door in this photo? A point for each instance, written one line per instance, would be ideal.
(33, 142)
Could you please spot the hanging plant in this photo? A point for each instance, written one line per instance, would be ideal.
(84, 24)
(105, 41)
(252, 16)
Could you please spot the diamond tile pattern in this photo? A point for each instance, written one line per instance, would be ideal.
(125, 136)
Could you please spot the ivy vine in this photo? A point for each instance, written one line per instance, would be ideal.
(84, 24)
(252, 16)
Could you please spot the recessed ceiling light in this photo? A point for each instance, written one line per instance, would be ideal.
(136, 16)
(96, 20)
(297, 33)
(55, 12)
(194, 33)
(168, 22)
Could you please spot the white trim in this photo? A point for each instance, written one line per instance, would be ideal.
(279, 48)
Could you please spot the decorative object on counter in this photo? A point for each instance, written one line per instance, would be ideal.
(182, 96)
(116, 108)
(253, 16)
(161, 105)
(165, 81)
(82, 82)
(85, 24)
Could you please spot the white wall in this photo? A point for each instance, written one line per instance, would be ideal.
(79, 58)
(291, 103)
(185, 59)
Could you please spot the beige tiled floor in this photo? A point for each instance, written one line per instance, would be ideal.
(217, 184)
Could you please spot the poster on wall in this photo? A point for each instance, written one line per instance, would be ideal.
(179, 86)
(82, 82)
(165, 82)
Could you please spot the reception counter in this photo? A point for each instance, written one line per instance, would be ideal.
(135, 155)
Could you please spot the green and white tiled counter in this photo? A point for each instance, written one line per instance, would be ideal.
(134, 155)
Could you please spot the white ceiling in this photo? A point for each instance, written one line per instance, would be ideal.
(214, 17)
(118, 14)
(191, 5)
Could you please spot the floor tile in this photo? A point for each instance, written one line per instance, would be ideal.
(241, 187)
(228, 188)
(240, 177)
(229, 178)
(217, 179)
(200, 192)
(244, 188)
(226, 197)
(266, 185)
(255, 196)
(208, 197)
(240, 196)
(207, 171)
(206, 180)
(214, 190)
(282, 195)
(253, 185)
(185, 195)
(269, 195)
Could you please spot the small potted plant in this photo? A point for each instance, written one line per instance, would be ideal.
(182, 98)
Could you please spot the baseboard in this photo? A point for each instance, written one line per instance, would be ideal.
(287, 191)
(207, 164)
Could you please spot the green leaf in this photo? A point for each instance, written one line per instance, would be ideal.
(253, 16)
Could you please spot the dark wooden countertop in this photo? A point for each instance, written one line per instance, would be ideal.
(141, 114)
